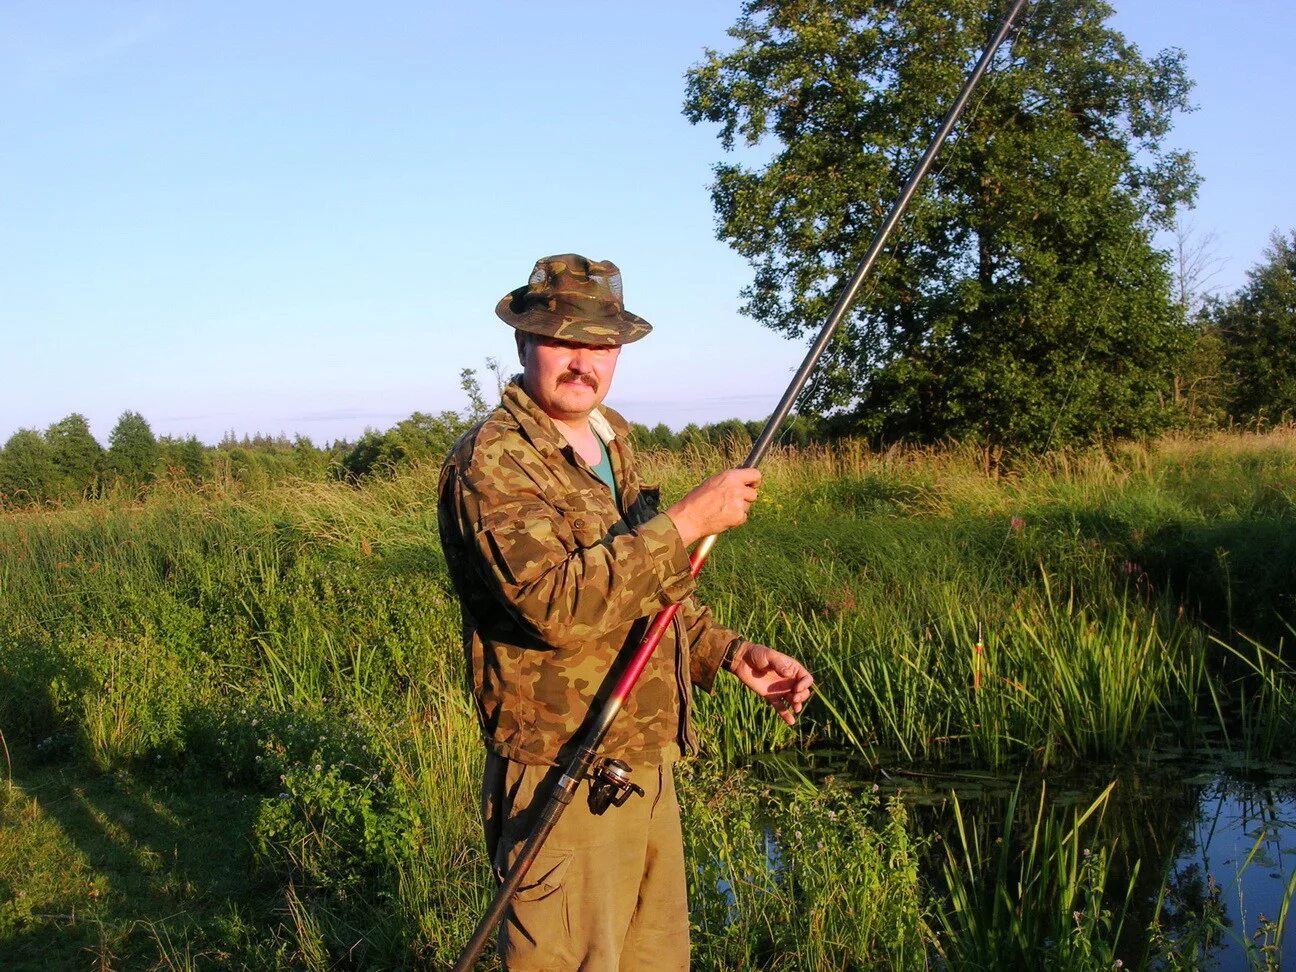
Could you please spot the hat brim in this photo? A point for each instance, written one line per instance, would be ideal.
(624, 328)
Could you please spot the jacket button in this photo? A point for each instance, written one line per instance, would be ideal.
(578, 524)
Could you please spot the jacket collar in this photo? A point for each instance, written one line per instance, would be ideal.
(601, 426)
(539, 427)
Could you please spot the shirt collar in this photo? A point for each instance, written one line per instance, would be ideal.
(601, 426)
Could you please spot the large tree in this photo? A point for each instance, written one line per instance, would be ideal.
(132, 449)
(1258, 328)
(27, 470)
(1023, 301)
(76, 453)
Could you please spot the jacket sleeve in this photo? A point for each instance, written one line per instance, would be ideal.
(556, 584)
(708, 641)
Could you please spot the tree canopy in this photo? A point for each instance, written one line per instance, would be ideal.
(132, 450)
(76, 454)
(1257, 327)
(1022, 300)
(27, 470)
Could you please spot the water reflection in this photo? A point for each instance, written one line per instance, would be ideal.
(1239, 861)
(1204, 845)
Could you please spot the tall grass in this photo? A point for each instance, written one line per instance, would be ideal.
(881, 570)
(1266, 682)
(808, 878)
(1033, 900)
(1058, 679)
(303, 642)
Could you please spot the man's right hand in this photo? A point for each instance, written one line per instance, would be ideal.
(716, 505)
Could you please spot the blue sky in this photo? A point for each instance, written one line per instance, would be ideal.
(298, 216)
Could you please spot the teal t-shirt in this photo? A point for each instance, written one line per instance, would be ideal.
(604, 470)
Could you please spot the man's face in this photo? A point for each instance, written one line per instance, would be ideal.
(566, 379)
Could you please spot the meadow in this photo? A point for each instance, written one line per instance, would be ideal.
(235, 733)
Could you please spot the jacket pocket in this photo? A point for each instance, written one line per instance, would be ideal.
(587, 513)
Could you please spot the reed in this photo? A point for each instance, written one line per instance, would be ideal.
(1264, 697)
(1037, 899)
(814, 878)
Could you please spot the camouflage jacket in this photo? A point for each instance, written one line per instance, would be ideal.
(557, 586)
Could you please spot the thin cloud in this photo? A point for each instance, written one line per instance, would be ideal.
(38, 63)
(344, 414)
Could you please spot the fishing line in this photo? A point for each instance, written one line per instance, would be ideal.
(922, 206)
(1015, 523)
(910, 232)
(930, 628)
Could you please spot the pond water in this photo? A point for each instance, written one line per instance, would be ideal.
(1208, 840)
(1243, 835)
(1216, 836)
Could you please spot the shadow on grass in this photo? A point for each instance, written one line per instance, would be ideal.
(1237, 573)
(124, 870)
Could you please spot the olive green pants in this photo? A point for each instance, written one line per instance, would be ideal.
(607, 891)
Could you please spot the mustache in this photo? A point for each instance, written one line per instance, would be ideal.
(578, 377)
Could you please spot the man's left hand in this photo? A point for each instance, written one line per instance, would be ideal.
(778, 678)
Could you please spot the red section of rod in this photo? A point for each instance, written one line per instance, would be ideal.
(655, 632)
(646, 647)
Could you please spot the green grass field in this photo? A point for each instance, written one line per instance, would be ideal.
(237, 734)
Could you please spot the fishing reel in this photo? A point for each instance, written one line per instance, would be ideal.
(610, 785)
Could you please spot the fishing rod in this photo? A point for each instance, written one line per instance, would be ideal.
(611, 776)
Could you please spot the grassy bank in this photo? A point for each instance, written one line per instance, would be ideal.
(290, 658)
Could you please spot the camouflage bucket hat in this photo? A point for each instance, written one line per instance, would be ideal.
(573, 299)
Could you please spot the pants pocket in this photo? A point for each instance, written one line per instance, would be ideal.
(545, 876)
(538, 934)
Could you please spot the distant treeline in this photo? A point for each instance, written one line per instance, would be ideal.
(65, 463)
(1237, 367)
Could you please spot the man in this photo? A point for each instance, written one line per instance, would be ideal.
(561, 559)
